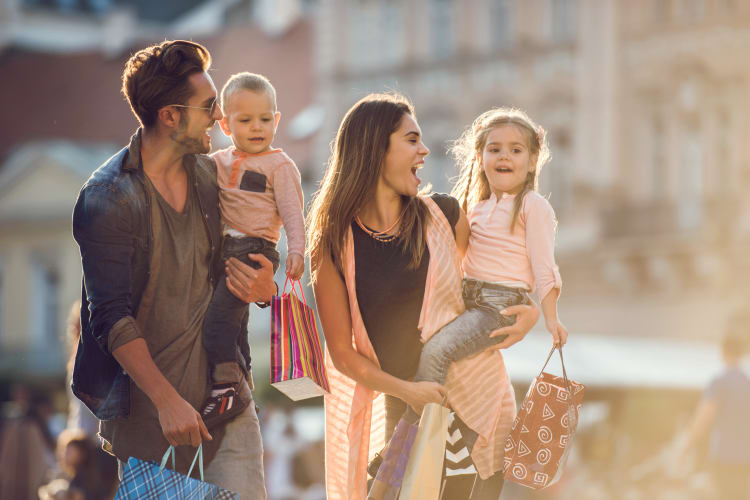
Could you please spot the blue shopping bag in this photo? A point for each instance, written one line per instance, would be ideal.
(142, 480)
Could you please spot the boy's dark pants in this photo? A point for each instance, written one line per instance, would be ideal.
(226, 312)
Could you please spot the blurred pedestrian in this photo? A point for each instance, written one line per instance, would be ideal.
(59, 489)
(79, 416)
(82, 424)
(280, 431)
(26, 447)
(79, 463)
(724, 410)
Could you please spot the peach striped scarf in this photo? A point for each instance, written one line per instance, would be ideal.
(478, 388)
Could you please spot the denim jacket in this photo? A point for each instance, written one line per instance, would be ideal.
(112, 226)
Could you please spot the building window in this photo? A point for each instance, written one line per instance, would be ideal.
(690, 181)
(723, 150)
(442, 37)
(362, 34)
(502, 24)
(562, 16)
(392, 31)
(728, 6)
(658, 158)
(693, 10)
(659, 8)
(69, 6)
(45, 303)
(553, 179)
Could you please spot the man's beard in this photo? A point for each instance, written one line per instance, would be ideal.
(191, 145)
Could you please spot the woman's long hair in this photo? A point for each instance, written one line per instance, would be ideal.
(354, 168)
(472, 185)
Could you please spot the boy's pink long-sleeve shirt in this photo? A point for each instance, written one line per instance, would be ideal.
(260, 192)
(525, 256)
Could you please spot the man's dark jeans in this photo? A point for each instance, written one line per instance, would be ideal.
(225, 314)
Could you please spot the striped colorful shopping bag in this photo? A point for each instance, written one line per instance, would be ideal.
(297, 367)
(142, 480)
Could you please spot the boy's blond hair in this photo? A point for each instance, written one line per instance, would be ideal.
(247, 81)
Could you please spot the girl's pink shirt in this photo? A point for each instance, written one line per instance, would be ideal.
(527, 255)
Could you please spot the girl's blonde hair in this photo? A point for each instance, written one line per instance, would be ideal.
(472, 185)
(354, 167)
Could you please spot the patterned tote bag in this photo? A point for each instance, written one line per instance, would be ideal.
(297, 367)
(142, 480)
(542, 434)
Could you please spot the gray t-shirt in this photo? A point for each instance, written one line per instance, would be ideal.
(730, 439)
(170, 317)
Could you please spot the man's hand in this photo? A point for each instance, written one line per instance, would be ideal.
(180, 423)
(248, 284)
(295, 266)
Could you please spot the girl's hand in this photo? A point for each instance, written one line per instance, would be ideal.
(295, 266)
(419, 394)
(558, 331)
(526, 318)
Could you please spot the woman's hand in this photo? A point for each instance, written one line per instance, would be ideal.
(526, 318)
(418, 394)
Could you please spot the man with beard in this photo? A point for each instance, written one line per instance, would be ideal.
(147, 223)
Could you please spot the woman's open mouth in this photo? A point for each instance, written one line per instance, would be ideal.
(414, 172)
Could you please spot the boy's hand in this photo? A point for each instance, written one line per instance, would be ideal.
(558, 331)
(295, 266)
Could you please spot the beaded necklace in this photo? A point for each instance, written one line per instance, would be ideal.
(381, 236)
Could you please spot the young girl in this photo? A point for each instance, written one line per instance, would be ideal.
(510, 252)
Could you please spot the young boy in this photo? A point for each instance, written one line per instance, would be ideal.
(259, 190)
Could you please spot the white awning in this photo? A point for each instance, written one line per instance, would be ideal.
(605, 361)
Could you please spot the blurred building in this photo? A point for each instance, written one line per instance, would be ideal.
(64, 115)
(40, 273)
(645, 103)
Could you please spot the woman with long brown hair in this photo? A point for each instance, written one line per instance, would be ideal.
(385, 264)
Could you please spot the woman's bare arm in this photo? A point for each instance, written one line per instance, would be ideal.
(333, 308)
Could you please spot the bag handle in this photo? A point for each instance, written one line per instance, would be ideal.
(198, 456)
(572, 411)
(562, 363)
(295, 283)
(170, 451)
(568, 387)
